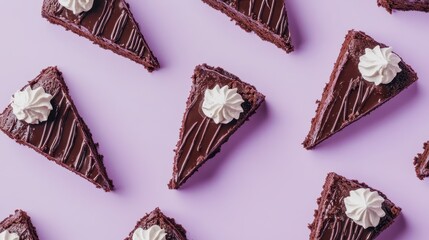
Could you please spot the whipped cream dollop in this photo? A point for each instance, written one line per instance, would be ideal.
(379, 65)
(32, 106)
(364, 207)
(6, 235)
(155, 232)
(222, 104)
(77, 6)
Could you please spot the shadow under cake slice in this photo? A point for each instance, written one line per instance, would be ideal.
(404, 5)
(157, 222)
(18, 224)
(267, 18)
(64, 137)
(348, 96)
(110, 24)
(200, 136)
(330, 219)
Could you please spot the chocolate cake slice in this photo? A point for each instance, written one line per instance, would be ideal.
(157, 222)
(421, 162)
(331, 219)
(404, 5)
(64, 137)
(18, 225)
(108, 23)
(348, 96)
(204, 128)
(267, 18)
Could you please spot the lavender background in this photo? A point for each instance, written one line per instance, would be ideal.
(263, 185)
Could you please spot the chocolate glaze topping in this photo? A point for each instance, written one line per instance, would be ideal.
(64, 138)
(421, 162)
(404, 5)
(110, 24)
(348, 97)
(331, 222)
(267, 18)
(156, 217)
(19, 223)
(200, 137)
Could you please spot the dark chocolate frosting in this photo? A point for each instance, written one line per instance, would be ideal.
(110, 24)
(331, 222)
(64, 138)
(20, 224)
(267, 18)
(200, 137)
(421, 162)
(268, 12)
(174, 230)
(348, 97)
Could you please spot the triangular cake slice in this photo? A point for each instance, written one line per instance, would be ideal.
(334, 218)
(349, 95)
(404, 5)
(64, 137)
(421, 162)
(157, 223)
(267, 18)
(108, 23)
(18, 225)
(201, 137)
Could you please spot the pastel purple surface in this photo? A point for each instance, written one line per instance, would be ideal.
(263, 184)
